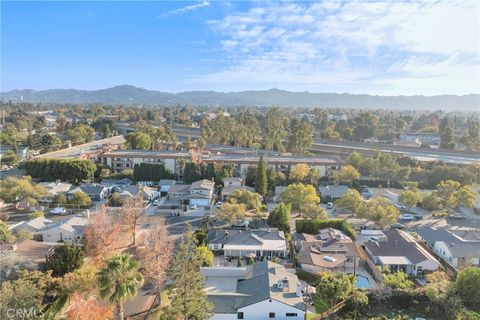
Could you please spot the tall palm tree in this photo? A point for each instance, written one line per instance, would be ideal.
(119, 280)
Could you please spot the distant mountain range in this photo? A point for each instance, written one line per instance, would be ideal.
(131, 95)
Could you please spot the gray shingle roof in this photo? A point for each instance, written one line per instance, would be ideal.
(458, 247)
(243, 237)
(398, 244)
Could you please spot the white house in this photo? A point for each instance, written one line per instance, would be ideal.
(68, 230)
(201, 193)
(264, 290)
(452, 248)
(266, 243)
(400, 252)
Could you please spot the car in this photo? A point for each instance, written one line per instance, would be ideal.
(400, 206)
(193, 207)
(418, 217)
(458, 216)
(329, 205)
(219, 204)
(407, 217)
(155, 202)
(58, 210)
(398, 226)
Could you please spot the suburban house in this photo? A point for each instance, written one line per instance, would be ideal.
(33, 226)
(96, 192)
(328, 251)
(267, 243)
(178, 191)
(331, 193)
(456, 250)
(264, 290)
(400, 252)
(201, 193)
(227, 191)
(53, 189)
(68, 230)
(232, 182)
(117, 182)
(421, 138)
(32, 250)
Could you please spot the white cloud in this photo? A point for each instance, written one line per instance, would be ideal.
(186, 9)
(415, 47)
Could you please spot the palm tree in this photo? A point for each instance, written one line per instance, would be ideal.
(119, 280)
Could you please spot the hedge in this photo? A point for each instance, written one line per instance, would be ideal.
(151, 172)
(51, 169)
(312, 226)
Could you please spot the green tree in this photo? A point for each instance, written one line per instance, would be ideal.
(80, 198)
(250, 199)
(59, 198)
(5, 233)
(347, 174)
(189, 300)
(81, 133)
(467, 284)
(447, 134)
(303, 199)
(65, 259)
(36, 214)
(301, 137)
(261, 183)
(379, 210)
(118, 281)
(205, 255)
(139, 140)
(352, 201)
(231, 212)
(52, 169)
(397, 280)
(10, 158)
(13, 190)
(452, 194)
(279, 217)
(299, 173)
(334, 287)
(275, 130)
(410, 198)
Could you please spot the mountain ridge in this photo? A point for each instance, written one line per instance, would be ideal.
(131, 95)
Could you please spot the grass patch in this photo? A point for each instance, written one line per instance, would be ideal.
(310, 278)
(311, 316)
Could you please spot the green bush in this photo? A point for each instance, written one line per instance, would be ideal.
(151, 172)
(312, 226)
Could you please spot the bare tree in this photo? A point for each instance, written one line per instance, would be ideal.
(131, 212)
(100, 233)
(157, 254)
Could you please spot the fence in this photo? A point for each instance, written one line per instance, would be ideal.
(332, 310)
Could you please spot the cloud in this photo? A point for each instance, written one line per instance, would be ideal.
(186, 9)
(415, 47)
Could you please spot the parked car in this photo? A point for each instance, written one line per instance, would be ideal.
(458, 216)
(330, 205)
(219, 204)
(193, 207)
(418, 217)
(400, 206)
(58, 210)
(398, 226)
(407, 217)
(155, 202)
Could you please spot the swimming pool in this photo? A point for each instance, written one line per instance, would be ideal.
(363, 283)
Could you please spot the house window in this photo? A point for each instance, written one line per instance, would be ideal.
(290, 314)
(240, 315)
(271, 315)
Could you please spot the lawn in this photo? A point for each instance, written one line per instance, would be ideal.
(320, 305)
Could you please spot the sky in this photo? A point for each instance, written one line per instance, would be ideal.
(383, 48)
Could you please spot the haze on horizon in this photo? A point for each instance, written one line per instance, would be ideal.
(371, 47)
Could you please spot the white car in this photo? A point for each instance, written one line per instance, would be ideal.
(407, 217)
(155, 202)
(59, 210)
(219, 204)
(330, 205)
(193, 207)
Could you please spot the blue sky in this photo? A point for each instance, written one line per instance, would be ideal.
(410, 47)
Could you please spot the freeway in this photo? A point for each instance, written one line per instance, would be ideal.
(368, 149)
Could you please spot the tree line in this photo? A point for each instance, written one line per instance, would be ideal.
(52, 169)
